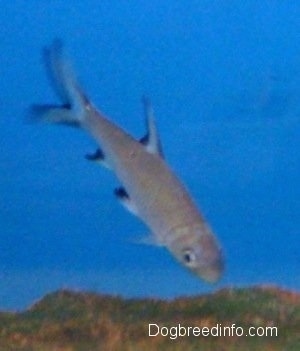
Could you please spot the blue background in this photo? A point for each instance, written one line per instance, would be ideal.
(224, 78)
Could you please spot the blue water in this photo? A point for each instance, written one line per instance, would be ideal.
(224, 78)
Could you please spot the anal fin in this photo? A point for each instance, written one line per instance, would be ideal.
(99, 157)
(125, 200)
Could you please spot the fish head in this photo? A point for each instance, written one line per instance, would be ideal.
(197, 250)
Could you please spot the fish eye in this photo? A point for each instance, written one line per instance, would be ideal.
(189, 256)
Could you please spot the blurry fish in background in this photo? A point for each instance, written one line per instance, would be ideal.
(270, 99)
(149, 188)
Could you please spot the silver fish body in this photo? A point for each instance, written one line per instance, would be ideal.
(150, 188)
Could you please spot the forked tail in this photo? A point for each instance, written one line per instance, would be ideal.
(72, 110)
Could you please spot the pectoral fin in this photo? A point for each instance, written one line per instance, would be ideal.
(149, 240)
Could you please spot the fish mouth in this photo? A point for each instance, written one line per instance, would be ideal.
(212, 272)
(212, 276)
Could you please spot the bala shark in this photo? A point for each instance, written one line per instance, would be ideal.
(149, 187)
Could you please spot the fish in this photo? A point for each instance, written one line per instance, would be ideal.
(149, 187)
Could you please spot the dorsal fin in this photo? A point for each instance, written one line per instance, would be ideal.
(151, 140)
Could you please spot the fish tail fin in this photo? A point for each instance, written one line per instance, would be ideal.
(72, 111)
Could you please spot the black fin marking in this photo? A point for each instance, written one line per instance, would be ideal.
(121, 193)
(125, 200)
(145, 139)
(98, 155)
